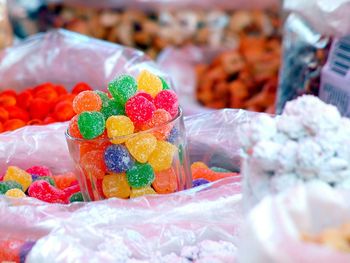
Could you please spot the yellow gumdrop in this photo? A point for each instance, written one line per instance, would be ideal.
(199, 165)
(18, 175)
(137, 192)
(141, 146)
(115, 185)
(16, 193)
(149, 83)
(162, 157)
(118, 126)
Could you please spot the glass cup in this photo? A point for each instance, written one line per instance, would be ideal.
(154, 161)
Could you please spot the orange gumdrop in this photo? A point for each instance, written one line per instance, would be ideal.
(93, 164)
(17, 113)
(61, 90)
(87, 101)
(198, 165)
(209, 175)
(7, 100)
(47, 93)
(158, 121)
(65, 180)
(39, 108)
(24, 99)
(63, 111)
(81, 86)
(4, 115)
(73, 128)
(13, 124)
(165, 182)
(96, 145)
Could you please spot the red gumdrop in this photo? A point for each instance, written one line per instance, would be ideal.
(66, 97)
(24, 99)
(13, 124)
(39, 108)
(139, 109)
(47, 93)
(39, 170)
(61, 90)
(93, 164)
(73, 129)
(63, 111)
(4, 114)
(7, 100)
(17, 113)
(44, 191)
(69, 191)
(81, 86)
(49, 120)
(9, 92)
(10, 250)
(167, 100)
(1, 127)
(65, 180)
(145, 95)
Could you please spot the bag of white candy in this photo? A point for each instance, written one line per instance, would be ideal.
(308, 142)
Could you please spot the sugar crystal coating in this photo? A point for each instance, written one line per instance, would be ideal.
(7, 185)
(122, 88)
(118, 159)
(119, 126)
(18, 175)
(162, 157)
(167, 100)
(139, 109)
(116, 185)
(140, 175)
(91, 124)
(15, 193)
(149, 83)
(141, 146)
(137, 192)
(87, 101)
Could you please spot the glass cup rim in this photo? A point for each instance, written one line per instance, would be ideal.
(124, 137)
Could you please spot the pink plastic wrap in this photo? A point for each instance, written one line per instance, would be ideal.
(273, 230)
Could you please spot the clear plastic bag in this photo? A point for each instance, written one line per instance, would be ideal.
(274, 228)
(314, 61)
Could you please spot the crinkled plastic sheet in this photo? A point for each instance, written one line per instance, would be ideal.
(272, 231)
(67, 58)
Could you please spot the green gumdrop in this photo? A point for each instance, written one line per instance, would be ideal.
(111, 108)
(77, 197)
(219, 170)
(140, 175)
(48, 179)
(91, 124)
(104, 97)
(123, 88)
(164, 83)
(7, 185)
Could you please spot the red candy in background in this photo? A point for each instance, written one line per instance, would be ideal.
(44, 104)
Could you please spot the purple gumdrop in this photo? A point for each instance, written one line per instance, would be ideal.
(118, 159)
(25, 249)
(173, 135)
(34, 177)
(199, 182)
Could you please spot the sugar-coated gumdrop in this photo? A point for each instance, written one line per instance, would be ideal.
(219, 169)
(174, 135)
(73, 129)
(16, 193)
(162, 157)
(112, 107)
(141, 146)
(91, 124)
(87, 101)
(140, 175)
(118, 126)
(39, 170)
(139, 109)
(149, 83)
(65, 180)
(116, 185)
(122, 88)
(77, 197)
(198, 165)
(159, 122)
(43, 191)
(145, 95)
(48, 179)
(207, 174)
(167, 100)
(69, 191)
(93, 164)
(7, 185)
(80, 87)
(18, 175)
(118, 159)
(24, 250)
(165, 182)
(39, 108)
(103, 96)
(13, 124)
(137, 192)
(199, 182)
(164, 84)
(9, 250)
(63, 111)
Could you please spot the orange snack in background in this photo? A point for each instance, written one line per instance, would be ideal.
(4, 115)
(13, 124)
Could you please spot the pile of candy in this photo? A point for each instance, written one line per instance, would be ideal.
(245, 78)
(43, 104)
(202, 174)
(15, 250)
(153, 31)
(127, 142)
(309, 141)
(38, 182)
